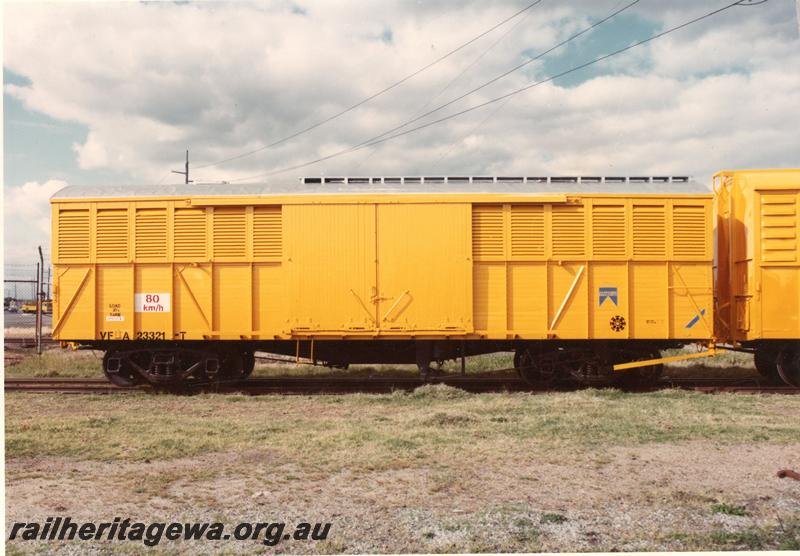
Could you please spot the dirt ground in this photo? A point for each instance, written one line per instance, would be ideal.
(645, 498)
(471, 483)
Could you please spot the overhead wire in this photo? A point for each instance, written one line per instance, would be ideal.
(461, 74)
(599, 59)
(489, 116)
(372, 96)
(506, 73)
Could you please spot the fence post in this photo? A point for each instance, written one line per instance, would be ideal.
(40, 303)
(38, 312)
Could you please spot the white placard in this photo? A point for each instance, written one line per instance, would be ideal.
(151, 302)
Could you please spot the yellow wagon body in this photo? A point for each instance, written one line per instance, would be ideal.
(758, 277)
(526, 259)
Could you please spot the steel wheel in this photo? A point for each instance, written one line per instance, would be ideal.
(249, 363)
(118, 370)
(529, 370)
(766, 362)
(789, 365)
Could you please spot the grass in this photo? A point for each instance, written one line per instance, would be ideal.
(384, 431)
(552, 518)
(783, 536)
(58, 363)
(729, 509)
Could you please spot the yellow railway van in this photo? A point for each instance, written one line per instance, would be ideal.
(758, 266)
(572, 274)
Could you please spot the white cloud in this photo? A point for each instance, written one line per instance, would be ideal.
(151, 79)
(27, 219)
(92, 154)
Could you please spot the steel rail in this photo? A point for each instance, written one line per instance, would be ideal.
(372, 385)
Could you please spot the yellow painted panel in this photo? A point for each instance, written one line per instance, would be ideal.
(489, 294)
(758, 281)
(190, 241)
(115, 316)
(330, 267)
(153, 301)
(609, 301)
(780, 302)
(649, 298)
(269, 288)
(232, 304)
(649, 231)
(423, 267)
(691, 311)
(573, 320)
(74, 289)
(73, 234)
(527, 302)
(608, 230)
(488, 235)
(193, 313)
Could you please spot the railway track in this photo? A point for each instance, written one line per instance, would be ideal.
(373, 385)
(28, 343)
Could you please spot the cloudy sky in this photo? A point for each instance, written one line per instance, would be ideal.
(113, 93)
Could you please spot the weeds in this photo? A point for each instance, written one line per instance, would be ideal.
(729, 509)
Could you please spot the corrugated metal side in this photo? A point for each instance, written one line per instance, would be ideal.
(494, 270)
(759, 286)
(569, 228)
(487, 231)
(73, 236)
(190, 241)
(230, 233)
(608, 230)
(594, 268)
(690, 227)
(267, 232)
(527, 231)
(649, 230)
(151, 233)
(112, 234)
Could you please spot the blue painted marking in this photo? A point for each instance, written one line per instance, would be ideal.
(608, 293)
(696, 319)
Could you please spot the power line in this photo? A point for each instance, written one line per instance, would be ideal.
(504, 74)
(369, 143)
(374, 95)
(459, 76)
(488, 117)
